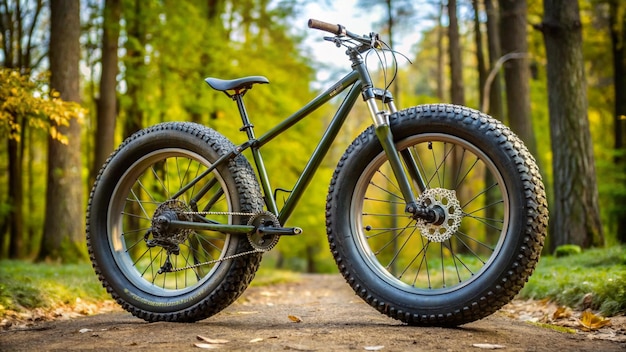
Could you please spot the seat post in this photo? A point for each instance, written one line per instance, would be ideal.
(247, 126)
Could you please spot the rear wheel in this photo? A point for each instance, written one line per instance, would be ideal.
(159, 274)
(485, 185)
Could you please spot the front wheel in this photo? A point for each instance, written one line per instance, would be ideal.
(482, 181)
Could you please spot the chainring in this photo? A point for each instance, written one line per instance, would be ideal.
(262, 241)
(445, 199)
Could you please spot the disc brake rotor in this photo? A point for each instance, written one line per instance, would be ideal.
(445, 199)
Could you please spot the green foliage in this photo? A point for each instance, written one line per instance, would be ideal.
(567, 249)
(598, 274)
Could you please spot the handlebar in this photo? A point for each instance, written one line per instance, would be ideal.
(367, 41)
(336, 29)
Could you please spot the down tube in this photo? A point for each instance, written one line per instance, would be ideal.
(320, 151)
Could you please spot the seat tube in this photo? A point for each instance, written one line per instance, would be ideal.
(248, 128)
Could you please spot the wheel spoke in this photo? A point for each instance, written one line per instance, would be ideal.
(480, 243)
(444, 256)
(140, 205)
(480, 194)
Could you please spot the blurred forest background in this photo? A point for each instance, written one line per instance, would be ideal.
(77, 77)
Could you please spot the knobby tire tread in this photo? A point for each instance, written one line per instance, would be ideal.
(499, 293)
(242, 269)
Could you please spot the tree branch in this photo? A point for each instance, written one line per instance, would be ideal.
(31, 31)
(494, 72)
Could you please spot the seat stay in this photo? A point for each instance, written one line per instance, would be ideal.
(238, 85)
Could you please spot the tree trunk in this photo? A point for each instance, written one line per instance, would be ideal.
(440, 35)
(135, 68)
(18, 24)
(107, 104)
(493, 42)
(480, 55)
(63, 237)
(517, 72)
(16, 199)
(576, 218)
(618, 40)
(457, 94)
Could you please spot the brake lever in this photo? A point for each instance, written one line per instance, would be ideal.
(335, 40)
(375, 40)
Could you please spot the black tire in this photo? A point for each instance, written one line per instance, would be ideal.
(138, 178)
(455, 272)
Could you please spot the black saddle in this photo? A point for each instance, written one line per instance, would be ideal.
(235, 84)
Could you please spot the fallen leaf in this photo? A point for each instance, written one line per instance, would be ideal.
(258, 339)
(246, 312)
(488, 346)
(206, 346)
(561, 313)
(591, 322)
(373, 348)
(299, 347)
(82, 331)
(210, 340)
(295, 319)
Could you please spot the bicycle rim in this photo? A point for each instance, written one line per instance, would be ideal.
(442, 258)
(139, 195)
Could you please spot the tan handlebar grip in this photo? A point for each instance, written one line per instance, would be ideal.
(325, 26)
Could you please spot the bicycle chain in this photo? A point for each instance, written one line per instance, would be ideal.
(217, 260)
(217, 213)
(256, 250)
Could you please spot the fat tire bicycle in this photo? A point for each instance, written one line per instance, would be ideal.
(435, 214)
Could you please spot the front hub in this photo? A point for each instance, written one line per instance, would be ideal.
(445, 205)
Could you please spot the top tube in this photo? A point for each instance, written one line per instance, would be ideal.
(318, 101)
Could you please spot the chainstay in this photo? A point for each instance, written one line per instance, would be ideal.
(256, 250)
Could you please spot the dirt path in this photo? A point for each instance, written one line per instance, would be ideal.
(332, 319)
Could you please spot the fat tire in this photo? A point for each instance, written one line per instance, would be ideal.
(511, 266)
(233, 276)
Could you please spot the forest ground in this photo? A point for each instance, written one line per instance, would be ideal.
(317, 313)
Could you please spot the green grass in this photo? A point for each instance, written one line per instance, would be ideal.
(600, 273)
(25, 285)
(28, 285)
(566, 280)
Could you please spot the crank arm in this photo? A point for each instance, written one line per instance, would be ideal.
(281, 231)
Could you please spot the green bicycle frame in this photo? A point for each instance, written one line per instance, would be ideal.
(353, 81)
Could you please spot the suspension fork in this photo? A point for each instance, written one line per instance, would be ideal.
(385, 136)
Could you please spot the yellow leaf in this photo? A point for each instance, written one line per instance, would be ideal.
(295, 319)
(590, 321)
(561, 313)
